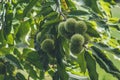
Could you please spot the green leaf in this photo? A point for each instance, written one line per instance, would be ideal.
(2, 39)
(47, 27)
(113, 21)
(78, 12)
(32, 73)
(10, 39)
(45, 11)
(16, 25)
(17, 53)
(106, 47)
(20, 76)
(29, 7)
(62, 72)
(115, 12)
(60, 65)
(65, 47)
(19, 14)
(116, 51)
(115, 33)
(91, 66)
(70, 4)
(26, 51)
(51, 15)
(81, 61)
(101, 63)
(4, 51)
(94, 7)
(51, 23)
(23, 32)
(10, 68)
(34, 59)
(104, 66)
(104, 57)
(8, 23)
(56, 76)
(39, 60)
(48, 4)
(92, 29)
(13, 60)
(112, 2)
(2, 68)
(105, 6)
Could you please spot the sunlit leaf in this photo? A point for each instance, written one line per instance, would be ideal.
(106, 8)
(81, 61)
(115, 33)
(104, 66)
(107, 61)
(23, 32)
(115, 12)
(91, 66)
(92, 26)
(71, 5)
(10, 39)
(4, 51)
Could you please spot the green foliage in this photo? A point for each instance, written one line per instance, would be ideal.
(92, 29)
(19, 14)
(29, 7)
(107, 62)
(91, 66)
(2, 68)
(81, 61)
(59, 38)
(13, 60)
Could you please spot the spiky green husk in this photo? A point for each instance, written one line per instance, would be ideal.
(62, 31)
(80, 27)
(87, 38)
(47, 45)
(70, 25)
(77, 39)
(76, 45)
(76, 49)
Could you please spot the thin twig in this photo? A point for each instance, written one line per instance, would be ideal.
(60, 11)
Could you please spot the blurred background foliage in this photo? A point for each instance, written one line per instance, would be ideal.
(22, 59)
